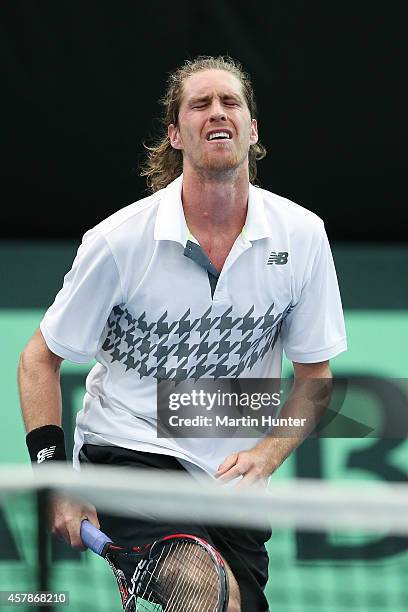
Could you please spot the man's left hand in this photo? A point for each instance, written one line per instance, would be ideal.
(253, 465)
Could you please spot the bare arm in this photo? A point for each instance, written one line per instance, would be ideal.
(40, 396)
(39, 384)
(309, 382)
(258, 463)
(312, 370)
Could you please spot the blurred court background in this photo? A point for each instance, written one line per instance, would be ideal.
(82, 84)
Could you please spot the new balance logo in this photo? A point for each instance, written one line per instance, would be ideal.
(45, 453)
(279, 259)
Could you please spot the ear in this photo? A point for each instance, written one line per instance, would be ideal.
(174, 136)
(253, 137)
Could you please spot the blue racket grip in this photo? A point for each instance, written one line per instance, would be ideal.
(93, 538)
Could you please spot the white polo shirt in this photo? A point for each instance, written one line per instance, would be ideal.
(144, 310)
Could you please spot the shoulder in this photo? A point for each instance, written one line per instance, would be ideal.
(292, 217)
(130, 220)
(124, 241)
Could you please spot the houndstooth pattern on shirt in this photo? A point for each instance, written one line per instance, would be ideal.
(207, 346)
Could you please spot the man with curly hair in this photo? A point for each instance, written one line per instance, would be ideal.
(207, 277)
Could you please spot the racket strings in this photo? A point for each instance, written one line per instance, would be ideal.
(194, 581)
(182, 578)
(200, 582)
(154, 589)
(151, 589)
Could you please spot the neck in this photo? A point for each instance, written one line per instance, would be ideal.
(215, 203)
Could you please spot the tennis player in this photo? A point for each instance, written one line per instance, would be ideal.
(208, 277)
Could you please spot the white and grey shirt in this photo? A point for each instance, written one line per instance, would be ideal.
(145, 302)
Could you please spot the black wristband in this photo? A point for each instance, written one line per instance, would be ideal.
(45, 444)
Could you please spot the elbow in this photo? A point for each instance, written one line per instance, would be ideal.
(37, 355)
(25, 362)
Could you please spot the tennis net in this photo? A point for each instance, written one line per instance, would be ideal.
(335, 546)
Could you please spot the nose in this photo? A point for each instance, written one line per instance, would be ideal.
(217, 112)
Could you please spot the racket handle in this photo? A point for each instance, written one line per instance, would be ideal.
(93, 538)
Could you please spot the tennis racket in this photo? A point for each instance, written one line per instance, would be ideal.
(179, 573)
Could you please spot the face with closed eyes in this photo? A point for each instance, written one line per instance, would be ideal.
(214, 128)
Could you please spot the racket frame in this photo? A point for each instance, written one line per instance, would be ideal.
(113, 552)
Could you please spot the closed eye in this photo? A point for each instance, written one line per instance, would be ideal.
(226, 102)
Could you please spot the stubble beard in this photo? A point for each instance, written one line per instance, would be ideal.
(216, 169)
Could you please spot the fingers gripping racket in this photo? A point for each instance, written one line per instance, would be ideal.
(179, 573)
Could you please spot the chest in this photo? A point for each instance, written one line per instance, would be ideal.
(217, 248)
(172, 325)
(175, 281)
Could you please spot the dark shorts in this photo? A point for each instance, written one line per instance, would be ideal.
(243, 549)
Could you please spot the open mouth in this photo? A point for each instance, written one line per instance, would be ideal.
(219, 135)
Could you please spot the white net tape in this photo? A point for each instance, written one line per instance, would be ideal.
(306, 504)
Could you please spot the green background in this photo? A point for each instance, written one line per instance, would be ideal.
(308, 572)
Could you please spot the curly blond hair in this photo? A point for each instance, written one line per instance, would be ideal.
(163, 163)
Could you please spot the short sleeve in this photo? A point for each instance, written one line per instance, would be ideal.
(314, 331)
(73, 325)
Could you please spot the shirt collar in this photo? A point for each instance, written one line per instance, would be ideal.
(256, 224)
(171, 223)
